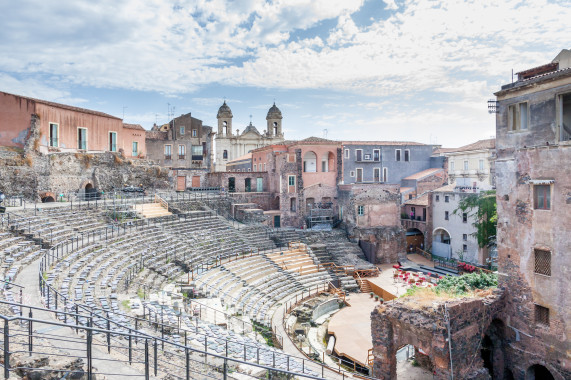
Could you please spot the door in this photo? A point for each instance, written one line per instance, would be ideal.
(195, 181)
(359, 175)
(248, 185)
(276, 221)
(112, 141)
(231, 184)
(181, 183)
(259, 185)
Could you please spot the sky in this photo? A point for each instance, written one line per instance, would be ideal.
(342, 69)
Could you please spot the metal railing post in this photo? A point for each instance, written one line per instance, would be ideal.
(147, 375)
(6, 350)
(30, 332)
(89, 353)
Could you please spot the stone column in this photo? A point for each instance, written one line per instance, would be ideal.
(384, 348)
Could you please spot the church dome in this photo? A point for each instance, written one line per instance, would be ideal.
(274, 113)
(224, 111)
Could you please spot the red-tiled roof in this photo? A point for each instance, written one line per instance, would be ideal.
(247, 156)
(382, 143)
(478, 145)
(133, 126)
(419, 201)
(64, 106)
(424, 173)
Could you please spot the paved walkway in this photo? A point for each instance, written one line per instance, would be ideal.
(102, 362)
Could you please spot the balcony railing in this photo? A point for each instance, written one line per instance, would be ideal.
(181, 156)
(168, 157)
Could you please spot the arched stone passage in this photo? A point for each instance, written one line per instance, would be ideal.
(538, 372)
(47, 197)
(414, 239)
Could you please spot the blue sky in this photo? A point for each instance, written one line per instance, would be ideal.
(360, 69)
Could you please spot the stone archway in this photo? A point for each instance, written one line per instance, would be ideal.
(538, 372)
(47, 197)
(492, 350)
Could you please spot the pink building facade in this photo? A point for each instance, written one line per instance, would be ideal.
(63, 128)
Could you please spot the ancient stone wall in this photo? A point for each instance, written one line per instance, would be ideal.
(69, 172)
(380, 223)
(397, 323)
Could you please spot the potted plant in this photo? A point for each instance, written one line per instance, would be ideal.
(382, 300)
(371, 294)
(376, 298)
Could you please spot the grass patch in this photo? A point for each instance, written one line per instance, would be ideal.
(126, 304)
(450, 287)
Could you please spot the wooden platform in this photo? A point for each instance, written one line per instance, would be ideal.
(296, 260)
(351, 327)
(151, 210)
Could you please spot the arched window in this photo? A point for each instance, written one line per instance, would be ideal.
(310, 162)
(275, 128)
(225, 127)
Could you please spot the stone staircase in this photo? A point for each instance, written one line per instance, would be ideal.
(151, 210)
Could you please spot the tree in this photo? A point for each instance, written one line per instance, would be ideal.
(482, 207)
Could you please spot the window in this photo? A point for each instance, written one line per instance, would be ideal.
(225, 154)
(194, 133)
(410, 196)
(541, 315)
(464, 248)
(377, 174)
(518, 115)
(360, 210)
(465, 164)
(54, 132)
(197, 152)
(481, 165)
(446, 198)
(292, 204)
(352, 173)
(135, 152)
(255, 167)
(346, 153)
(437, 198)
(464, 217)
(291, 180)
(359, 154)
(82, 138)
(249, 169)
(542, 262)
(113, 141)
(446, 215)
(407, 155)
(359, 175)
(385, 174)
(182, 130)
(181, 152)
(168, 153)
(377, 155)
(452, 165)
(465, 237)
(264, 167)
(397, 155)
(542, 197)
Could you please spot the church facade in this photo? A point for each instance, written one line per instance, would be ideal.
(230, 146)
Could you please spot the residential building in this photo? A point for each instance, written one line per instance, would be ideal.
(473, 165)
(183, 144)
(533, 182)
(453, 231)
(230, 146)
(386, 161)
(241, 164)
(53, 127)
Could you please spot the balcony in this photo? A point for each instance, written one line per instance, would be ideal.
(418, 223)
(181, 156)
(169, 157)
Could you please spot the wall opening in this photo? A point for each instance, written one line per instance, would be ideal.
(538, 372)
(310, 162)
